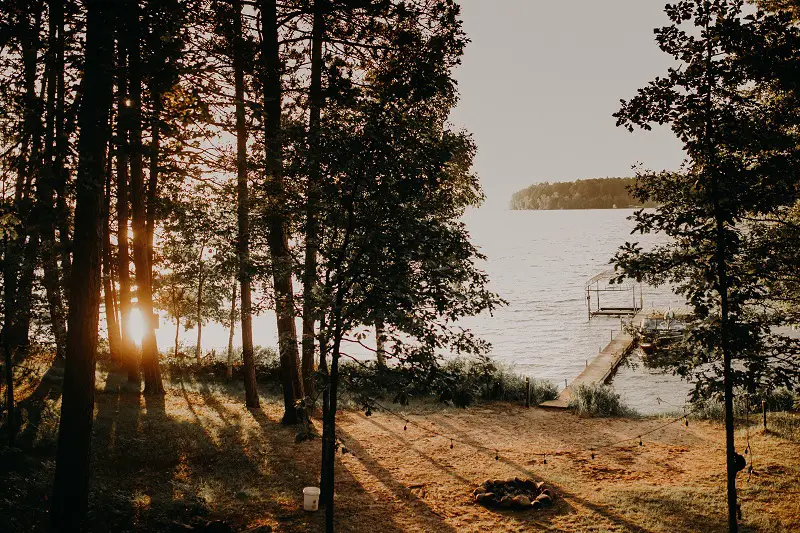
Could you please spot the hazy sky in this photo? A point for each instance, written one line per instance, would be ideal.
(539, 83)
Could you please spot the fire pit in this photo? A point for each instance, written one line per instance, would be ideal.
(514, 494)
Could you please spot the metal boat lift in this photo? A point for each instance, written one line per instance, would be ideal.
(601, 284)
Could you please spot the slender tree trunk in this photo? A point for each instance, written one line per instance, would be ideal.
(328, 439)
(198, 349)
(141, 254)
(380, 343)
(60, 170)
(30, 168)
(9, 288)
(243, 218)
(277, 239)
(19, 256)
(71, 486)
(112, 326)
(153, 383)
(25, 292)
(177, 333)
(45, 189)
(722, 279)
(329, 419)
(11, 411)
(127, 350)
(232, 330)
(312, 225)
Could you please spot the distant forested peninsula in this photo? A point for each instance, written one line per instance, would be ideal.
(595, 193)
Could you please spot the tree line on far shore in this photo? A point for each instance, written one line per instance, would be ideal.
(594, 193)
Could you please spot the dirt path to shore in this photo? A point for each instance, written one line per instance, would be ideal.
(201, 453)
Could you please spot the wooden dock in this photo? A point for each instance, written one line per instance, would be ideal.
(601, 369)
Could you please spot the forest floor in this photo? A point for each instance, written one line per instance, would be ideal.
(198, 452)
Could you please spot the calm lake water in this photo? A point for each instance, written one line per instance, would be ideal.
(538, 261)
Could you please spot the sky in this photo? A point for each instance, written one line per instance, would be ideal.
(540, 81)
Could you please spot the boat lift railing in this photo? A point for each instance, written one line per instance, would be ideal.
(601, 283)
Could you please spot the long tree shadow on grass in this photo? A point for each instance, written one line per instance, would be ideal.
(48, 390)
(356, 509)
(540, 518)
(566, 497)
(166, 461)
(401, 491)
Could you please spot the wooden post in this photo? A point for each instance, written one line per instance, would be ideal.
(589, 301)
(598, 296)
(527, 392)
(612, 334)
(567, 386)
(764, 410)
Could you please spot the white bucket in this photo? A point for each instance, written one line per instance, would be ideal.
(311, 498)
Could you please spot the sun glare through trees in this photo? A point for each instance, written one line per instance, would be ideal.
(255, 278)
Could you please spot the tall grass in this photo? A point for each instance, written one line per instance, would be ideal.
(459, 381)
(775, 400)
(599, 400)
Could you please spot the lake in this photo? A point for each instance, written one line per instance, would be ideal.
(538, 261)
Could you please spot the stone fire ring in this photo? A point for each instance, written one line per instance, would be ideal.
(519, 494)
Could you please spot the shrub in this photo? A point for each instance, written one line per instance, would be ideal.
(459, 381)
(598, 400)
(214, 365)
(777, 400)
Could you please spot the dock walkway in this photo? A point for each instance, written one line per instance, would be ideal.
(601, 369)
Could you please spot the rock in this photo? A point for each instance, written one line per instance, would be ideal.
(497, 482)
(545, 500)
(548, 492)
(522, 501)
(486, 483)
(536, 504)
(506, 501)
(519, 482)
(486, 498)
(539, 485)
(530, 484)
(479, 490)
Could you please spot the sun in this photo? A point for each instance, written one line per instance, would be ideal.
(136, 326)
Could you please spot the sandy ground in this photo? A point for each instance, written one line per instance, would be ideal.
(201, 448)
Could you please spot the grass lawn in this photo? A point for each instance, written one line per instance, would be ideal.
(199, 454)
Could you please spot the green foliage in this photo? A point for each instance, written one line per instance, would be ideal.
(266, 360)
(196, 258)
(733, 105)
(460, 381)
(598, 193)
(394, 247)
(598, 400)
(778, 402)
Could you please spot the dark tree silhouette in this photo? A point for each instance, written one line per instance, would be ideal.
(71, 485)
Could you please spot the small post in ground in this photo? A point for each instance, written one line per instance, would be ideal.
(527, 392)
(764, 411)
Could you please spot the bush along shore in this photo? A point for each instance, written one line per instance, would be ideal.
(458, 381)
